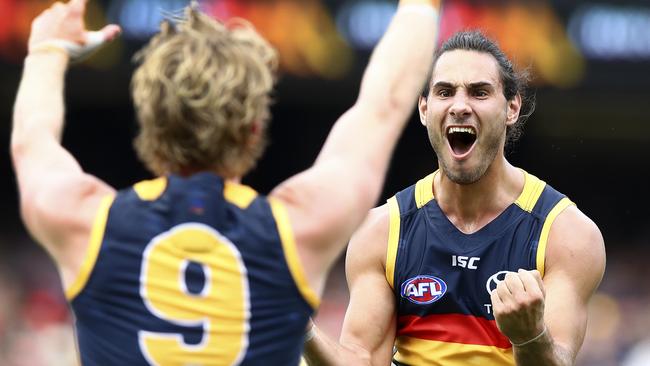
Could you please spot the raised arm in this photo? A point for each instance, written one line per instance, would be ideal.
(57, 199)
(546, 319)
(327, 202)
(368, 331)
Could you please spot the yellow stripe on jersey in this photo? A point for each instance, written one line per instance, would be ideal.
(92, 251)
(533, 188)
(424, 190)
(291, 253)
(151, 190)
(239, 195)
(393, 239)
(543, 238)
(414, 351)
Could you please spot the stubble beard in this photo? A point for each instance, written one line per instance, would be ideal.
(462, 176)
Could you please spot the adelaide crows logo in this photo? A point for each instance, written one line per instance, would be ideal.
(423, 289)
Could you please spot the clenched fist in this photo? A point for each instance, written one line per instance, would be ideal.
(518, 305)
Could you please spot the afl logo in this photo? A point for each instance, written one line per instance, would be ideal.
(423, 289)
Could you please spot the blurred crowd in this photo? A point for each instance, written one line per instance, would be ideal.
(36, 326)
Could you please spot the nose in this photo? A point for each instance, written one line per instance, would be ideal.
(460, 107)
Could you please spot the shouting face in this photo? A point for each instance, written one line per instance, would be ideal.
(466, 114)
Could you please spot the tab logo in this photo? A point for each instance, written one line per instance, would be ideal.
(423, 289)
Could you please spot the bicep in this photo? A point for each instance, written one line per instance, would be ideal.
(369, 322)
(575, 266)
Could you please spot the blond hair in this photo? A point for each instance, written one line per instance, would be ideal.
(202, 96)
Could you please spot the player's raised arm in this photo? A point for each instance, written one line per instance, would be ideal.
(328, 201)
(55, 193)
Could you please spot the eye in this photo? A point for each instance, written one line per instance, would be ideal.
(481, 93)
(444, 93)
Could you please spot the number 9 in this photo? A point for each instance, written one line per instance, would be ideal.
(222, 308)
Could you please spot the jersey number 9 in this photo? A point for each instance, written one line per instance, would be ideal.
(221, 308)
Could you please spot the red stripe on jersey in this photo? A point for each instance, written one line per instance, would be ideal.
(456, 328)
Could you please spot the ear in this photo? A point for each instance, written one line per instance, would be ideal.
(514, 107)
(422, 109)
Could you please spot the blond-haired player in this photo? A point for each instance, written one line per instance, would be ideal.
(193, 267)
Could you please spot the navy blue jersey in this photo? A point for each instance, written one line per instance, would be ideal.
(442, 278)
(191, 271)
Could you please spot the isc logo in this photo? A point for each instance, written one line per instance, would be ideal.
(465, 262)
(423, 289)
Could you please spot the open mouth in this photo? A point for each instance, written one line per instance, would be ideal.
(461, 140)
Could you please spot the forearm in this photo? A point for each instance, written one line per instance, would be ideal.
(39, 107)
(321, 350)
(544, 352)
(401, 61)
(394, 77)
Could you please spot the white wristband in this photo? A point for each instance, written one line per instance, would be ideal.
(540, 335)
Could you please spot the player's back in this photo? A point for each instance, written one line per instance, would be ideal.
(191, 271)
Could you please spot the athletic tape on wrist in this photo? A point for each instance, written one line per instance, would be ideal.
(75, 51)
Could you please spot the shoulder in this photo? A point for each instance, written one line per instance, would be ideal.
(368, 246)
(62, 215)
(576, 248)
(574, 234)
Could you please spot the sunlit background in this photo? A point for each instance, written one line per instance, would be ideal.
(589, 138)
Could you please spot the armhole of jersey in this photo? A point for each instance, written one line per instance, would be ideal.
(92, 251)
(393, 240)
(546, 228)
(291, 253)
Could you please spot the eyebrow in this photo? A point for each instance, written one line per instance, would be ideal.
(480, 84)
(443, 84)
(476, 85)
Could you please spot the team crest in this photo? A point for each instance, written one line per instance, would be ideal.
(423, 289)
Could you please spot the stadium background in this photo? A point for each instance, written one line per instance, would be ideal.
(589, 137)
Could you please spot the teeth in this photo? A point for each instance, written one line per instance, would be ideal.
(461, 130)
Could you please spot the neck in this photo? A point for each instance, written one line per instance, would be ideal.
(186, 172)
(472, 206)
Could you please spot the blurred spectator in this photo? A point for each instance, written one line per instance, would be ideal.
(35, 325)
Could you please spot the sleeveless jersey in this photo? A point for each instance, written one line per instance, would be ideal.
(442, 278)
(191, 271)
